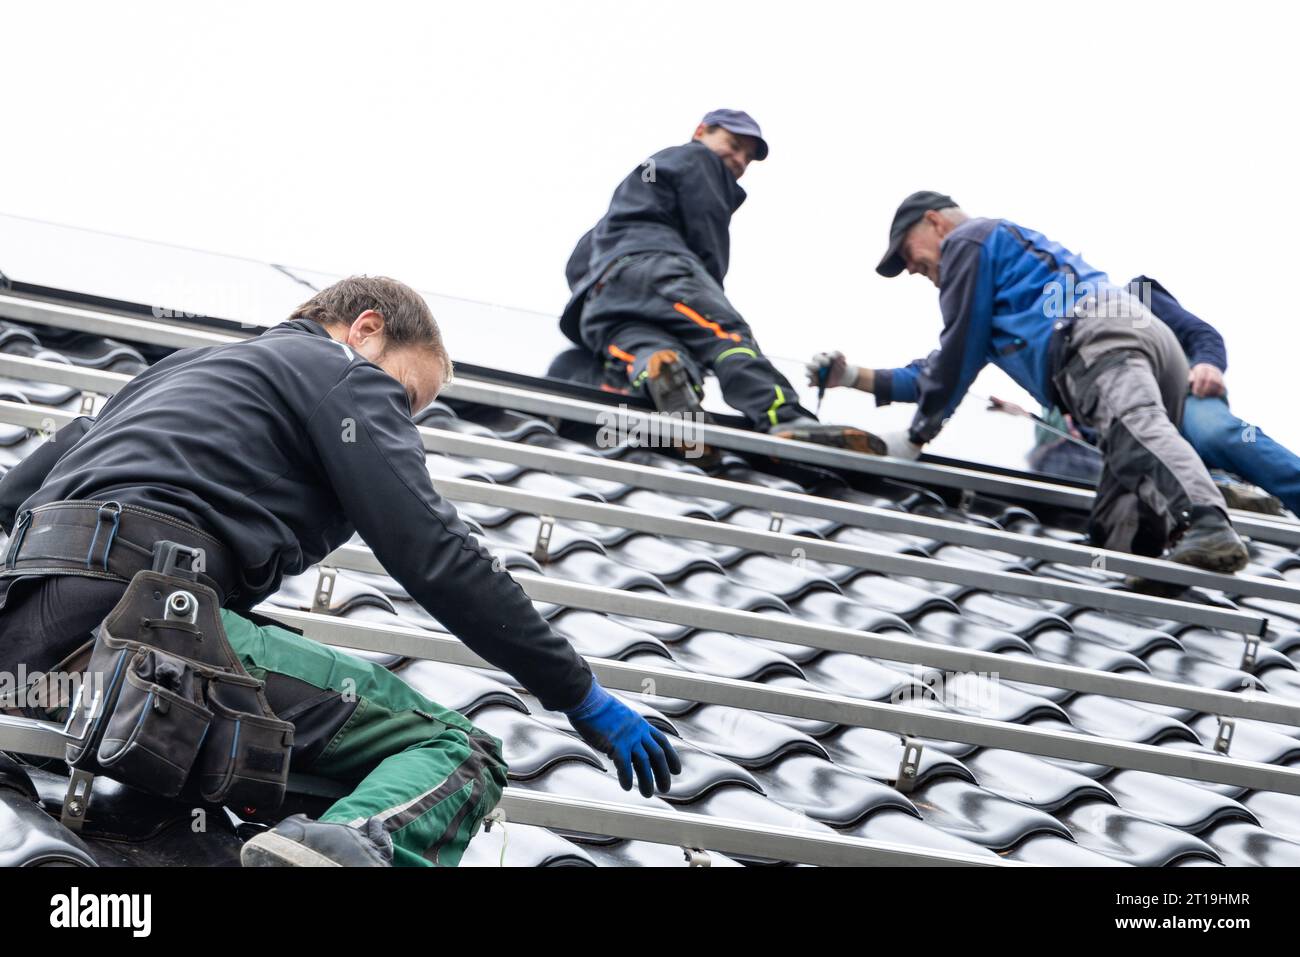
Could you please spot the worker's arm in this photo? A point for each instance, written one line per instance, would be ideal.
(372, 453)
(1201, 342)
(895, 385)
(703, 187)
(23, 480)
(1207, 356)
(966, 301)
(373, 456)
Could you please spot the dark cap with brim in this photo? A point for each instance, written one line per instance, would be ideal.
(910, 212)
(740, 123)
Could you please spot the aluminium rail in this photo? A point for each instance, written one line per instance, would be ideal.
(870, 517)
(909, 650)
(20, 733)
(819, 706)
(741, 440)
(739, 493)
(881, 562)
(1208, 616)
(686, 829)
(578, 410)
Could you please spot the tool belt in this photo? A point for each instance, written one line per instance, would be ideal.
(166, 705)
(109, 540)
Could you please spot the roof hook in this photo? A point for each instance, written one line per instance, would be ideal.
(324, 595)
(542, 547)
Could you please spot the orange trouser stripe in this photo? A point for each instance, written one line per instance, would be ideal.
(699, 320)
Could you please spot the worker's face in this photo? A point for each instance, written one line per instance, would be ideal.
(921, 248)
(736, 151)
(418, 370)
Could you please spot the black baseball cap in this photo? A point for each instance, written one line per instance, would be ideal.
(910, 212)
(740, 123)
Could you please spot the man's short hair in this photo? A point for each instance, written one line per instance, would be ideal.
(408, 320)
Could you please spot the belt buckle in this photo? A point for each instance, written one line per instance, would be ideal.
(166, 557)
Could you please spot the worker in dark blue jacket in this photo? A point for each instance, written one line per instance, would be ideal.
(1057, 326)
(1221, 439)
(647, 296)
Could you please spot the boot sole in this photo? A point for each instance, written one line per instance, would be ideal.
(269, 849)
(855, 440)
(1260, 502)
(1214, 560)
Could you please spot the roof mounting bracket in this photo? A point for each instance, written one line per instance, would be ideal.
(909, 768)
(775, 522)
(324, 595)
(87, 404)
(1250, 654)
(542, 547)
(967, 499)
(696, 857)
(1223, 740)
(77, 799)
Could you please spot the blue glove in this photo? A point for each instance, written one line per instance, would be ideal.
(613, 728)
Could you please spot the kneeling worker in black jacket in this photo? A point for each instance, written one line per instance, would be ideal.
(269, 454)
(647, 297)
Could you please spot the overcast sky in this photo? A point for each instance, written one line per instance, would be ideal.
(464, 148)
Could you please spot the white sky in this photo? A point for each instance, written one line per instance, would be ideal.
(464, 148)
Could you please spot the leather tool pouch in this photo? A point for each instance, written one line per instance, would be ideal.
(166, 705)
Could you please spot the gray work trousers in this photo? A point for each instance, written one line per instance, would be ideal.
(1124, 375)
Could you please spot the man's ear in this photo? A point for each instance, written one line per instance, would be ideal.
(699, 131)
(368, 324)
(942, 224)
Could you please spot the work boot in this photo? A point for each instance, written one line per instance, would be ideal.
(1208, 541)
(298, 841)
(1247, 497)
(670, 387)
(672, 391)
(839, 436)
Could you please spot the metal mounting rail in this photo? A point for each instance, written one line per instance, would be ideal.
(27, 736)
(820, 706)
(694, 831)
(578, 410)
(627, 821)
(741, 440)
(862, 516)
(662, 480)
(725, 835)
(109, 324)
(909, 650)
(1207, 616)
(789, 546)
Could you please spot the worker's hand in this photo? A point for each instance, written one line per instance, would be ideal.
(900, 445)
(1206, 380)
(839, 371)
(614, 729)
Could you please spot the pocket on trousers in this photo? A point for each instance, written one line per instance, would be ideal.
(156, 727)
(245, 759)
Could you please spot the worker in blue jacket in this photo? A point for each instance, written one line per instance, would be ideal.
(1222, 440)
(1066, 335)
